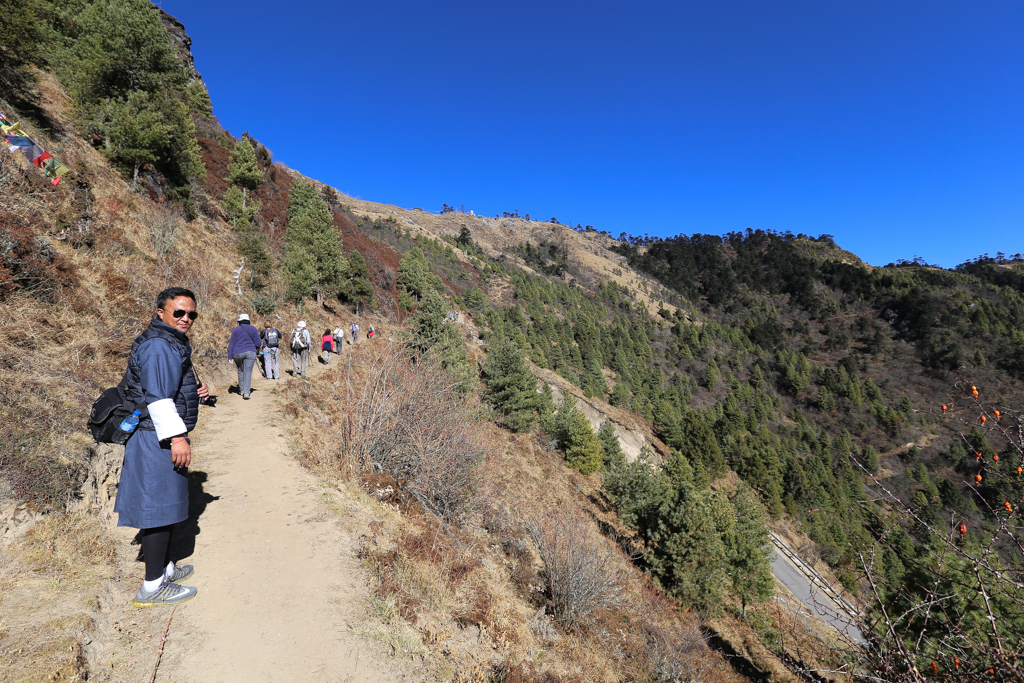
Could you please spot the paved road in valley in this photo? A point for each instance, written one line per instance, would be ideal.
(816, 602)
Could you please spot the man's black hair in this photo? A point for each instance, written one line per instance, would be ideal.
(173, 293)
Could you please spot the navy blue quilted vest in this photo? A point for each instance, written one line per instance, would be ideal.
(187, 397)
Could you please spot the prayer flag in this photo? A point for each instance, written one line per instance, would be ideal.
(19, 141)
(55, 169)
(31, 152)
(43, 156)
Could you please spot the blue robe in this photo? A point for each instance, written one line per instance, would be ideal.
(153, 492)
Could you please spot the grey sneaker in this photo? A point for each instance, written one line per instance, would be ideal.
(167, 594)
(181, 572)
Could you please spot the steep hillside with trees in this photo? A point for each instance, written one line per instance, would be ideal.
(871, 413)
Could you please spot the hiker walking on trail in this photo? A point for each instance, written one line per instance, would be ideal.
(300, 343)
(327, 346)
(271, 337)
(355, 332)
(369, 333)
(242, 349)
(153, 491)
(339, 339)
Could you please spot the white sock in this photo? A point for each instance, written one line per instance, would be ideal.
(150, 586)
(169, 571)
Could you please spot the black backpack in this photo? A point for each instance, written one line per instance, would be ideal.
(272, 338)
(113, 406)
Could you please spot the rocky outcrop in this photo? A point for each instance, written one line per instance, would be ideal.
(100, 487)
(182, 43)
(633, 431)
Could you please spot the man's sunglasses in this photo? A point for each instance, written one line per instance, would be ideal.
(192, 315)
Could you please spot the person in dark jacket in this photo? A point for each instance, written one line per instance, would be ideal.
(242, 350)
(153, 491)
(271, 337)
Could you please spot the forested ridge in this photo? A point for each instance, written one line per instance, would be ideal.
(873, 408)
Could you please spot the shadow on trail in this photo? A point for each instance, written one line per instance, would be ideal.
(183, 538)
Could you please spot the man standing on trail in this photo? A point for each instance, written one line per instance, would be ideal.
(339, 339)
(299, 343)
(355, 332)
(153, 492)
(242, 349)
(271, 337)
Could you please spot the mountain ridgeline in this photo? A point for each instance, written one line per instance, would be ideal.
(785, 382)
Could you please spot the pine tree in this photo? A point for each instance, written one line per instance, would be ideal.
(415, 278)
(432, 333)
(610, 446)
(583, 450)
(475, 299)
(137, 132)
(128, 84)
(511, 387)
(313, 261)
(687, 554)
(869, 457)
(22, 40)
(699, 445)
(358, 287)
(678, 470)
(560, 420)
(750, 554)
(243, 171)
(637, 490)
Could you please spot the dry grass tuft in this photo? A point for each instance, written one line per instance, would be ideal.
(69, 547)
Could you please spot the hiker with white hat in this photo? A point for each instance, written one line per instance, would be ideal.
(300, 343)
(242, 350)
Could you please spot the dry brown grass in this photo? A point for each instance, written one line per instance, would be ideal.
(48, 583)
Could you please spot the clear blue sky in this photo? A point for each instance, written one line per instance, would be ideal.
(897, 127)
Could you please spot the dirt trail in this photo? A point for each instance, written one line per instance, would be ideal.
(279, 587)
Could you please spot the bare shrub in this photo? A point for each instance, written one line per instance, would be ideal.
(411, 421)
(583, 572)
(671, 649)
(163, 221)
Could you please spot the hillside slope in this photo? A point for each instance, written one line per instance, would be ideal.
(652, 406)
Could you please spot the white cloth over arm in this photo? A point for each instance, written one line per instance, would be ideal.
(161, 380)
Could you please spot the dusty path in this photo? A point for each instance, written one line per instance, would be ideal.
(279, 588)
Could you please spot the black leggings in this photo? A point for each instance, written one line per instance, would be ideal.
(156, 551)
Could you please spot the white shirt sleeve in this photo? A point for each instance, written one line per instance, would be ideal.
(166, 419)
